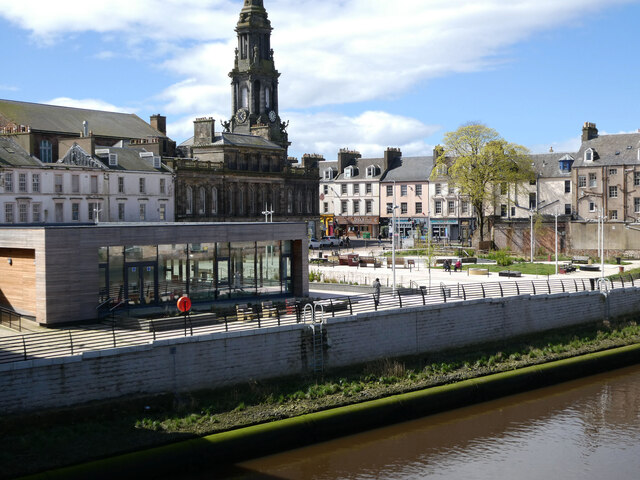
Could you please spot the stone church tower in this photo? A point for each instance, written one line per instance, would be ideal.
(254, 79)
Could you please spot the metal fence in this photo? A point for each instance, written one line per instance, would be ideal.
(134, 332)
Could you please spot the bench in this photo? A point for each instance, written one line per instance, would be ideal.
(580, 259)
(509, 273)
(352, 260)
(566, 268)
(399, 262)
(374, 262)
(268, 310)
(244, 313)
(590, 268)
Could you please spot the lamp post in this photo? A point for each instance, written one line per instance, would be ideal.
(556, 243)
(268, 214)
(393, 238)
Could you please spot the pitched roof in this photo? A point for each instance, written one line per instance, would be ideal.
(57, 119)
(619, 149)
(548, 164)
(238, 140)
(128, 159)
(13, 155)
(410, 169)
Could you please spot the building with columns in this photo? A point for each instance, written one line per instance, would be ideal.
(243, 170)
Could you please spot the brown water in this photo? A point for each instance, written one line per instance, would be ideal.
(587, 429)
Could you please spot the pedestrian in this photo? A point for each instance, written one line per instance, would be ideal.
(458, 265)
(376, 291)
(379, 239)
(446, 266)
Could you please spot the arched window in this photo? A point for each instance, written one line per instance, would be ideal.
(202, 200)
(299, 202)
(256, 97)
(230, 197)
(309, 201)
(267, 98)
(214, 200)
(46, 151)
(189, 201)
(244, 97)
(289, 202)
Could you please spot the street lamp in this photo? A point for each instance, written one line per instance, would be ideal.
(268, 214)
(393, 238)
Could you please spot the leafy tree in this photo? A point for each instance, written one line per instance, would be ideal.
(477, 159)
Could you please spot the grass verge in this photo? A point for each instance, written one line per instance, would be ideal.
(52, 439)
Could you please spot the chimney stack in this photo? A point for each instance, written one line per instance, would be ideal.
(203, 131)
(347, 157)
(390, 156)
(159, 122)
(589, 131)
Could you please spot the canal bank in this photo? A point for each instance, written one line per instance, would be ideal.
(254, 441)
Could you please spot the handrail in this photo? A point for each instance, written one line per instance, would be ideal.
(63, 343)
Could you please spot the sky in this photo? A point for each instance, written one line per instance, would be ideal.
(357, 74)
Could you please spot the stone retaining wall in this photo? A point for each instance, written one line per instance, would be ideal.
(221, 359)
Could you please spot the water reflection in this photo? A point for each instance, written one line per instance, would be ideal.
(588, 429)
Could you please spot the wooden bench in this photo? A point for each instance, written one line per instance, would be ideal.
(244, 313)
(580, 259)
(365, 261)
(399, 262)
(268, 310)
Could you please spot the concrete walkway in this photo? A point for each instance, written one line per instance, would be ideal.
(421, 275)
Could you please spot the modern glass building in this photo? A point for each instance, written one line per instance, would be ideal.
(60, 274)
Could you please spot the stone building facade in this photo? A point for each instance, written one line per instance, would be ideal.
(243, 172)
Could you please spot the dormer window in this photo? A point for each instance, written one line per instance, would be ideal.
(372, 170)
(113, 159)
(328, 174)
(588, 155)
(156, 162)
(348, 172)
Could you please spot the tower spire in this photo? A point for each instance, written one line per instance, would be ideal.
(254, 78)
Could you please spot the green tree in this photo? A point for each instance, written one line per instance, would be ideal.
(477, 160)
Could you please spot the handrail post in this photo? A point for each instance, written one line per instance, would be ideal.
(113, 331)
(350, 305)
(464, 293)
(333, 310)
(549, 286)
(153, 329)
(399, 298)
(71, 342)
(259, 319)
(24, 347)
(278, 315)
(534, 287)
(484, 294)
(375, 302)
(226, 323)
(517, 288)
(424, 302)
(501, 291)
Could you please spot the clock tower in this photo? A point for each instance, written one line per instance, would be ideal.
(254, 79)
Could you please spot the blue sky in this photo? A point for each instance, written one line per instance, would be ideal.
(362, 74)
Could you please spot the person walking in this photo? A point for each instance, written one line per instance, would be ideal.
(376, 291)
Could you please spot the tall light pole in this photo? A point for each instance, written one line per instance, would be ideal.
(393, 238)
(556, 215)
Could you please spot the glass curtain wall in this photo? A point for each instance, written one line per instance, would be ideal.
(150, 274)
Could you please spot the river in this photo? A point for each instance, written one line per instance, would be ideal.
(585, 429)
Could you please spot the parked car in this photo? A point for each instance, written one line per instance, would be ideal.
(332, 241)
(315, 243)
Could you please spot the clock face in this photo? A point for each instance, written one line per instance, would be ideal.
(272, 116)
(241, 115)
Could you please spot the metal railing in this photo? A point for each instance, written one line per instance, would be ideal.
(123, 333)
(10, 319)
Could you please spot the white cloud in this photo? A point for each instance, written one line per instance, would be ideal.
(329, 52)
(88, 103)
(9, 88)
(370, 133)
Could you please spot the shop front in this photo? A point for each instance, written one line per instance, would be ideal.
(358, 227)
